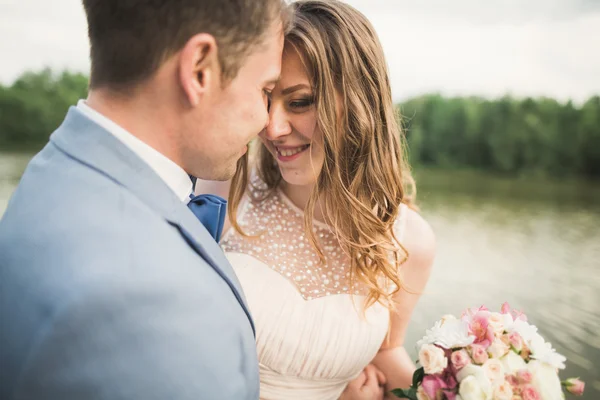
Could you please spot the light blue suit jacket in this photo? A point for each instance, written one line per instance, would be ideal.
(110, 288)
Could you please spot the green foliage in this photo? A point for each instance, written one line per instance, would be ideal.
(35, 105)
(410, 394)
(508, 136)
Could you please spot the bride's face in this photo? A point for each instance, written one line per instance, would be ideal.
(292, 135)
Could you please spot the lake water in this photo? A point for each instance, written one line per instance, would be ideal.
(532, 243)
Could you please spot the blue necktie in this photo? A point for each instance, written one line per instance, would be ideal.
(211, 211)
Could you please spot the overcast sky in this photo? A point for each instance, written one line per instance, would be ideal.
(460, 47)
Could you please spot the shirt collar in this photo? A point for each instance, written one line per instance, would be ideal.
(171, 173)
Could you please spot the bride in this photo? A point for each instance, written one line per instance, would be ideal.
(324, 236)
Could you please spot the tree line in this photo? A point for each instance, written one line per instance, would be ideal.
(35, 105)
(507, 135)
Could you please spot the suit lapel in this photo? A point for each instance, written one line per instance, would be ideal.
(91, 145)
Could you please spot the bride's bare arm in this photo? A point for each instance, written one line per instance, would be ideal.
(392, 359)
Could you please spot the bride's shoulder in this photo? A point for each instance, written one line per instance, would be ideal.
(417, 237)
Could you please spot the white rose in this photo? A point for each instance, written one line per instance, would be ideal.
(545, 380)
(470, 389)
(498, 349)
(433, 359)
(512, 363)
(478, 374)
(494, 370)
(496, 320)
(503, 391)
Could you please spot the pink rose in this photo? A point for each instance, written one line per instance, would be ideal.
(480, 356)
(459, 359)
(505, 309)
(513, 380)
(574, 386)
(516, 341)
(432, 386)
(530, 393)
(480, 327)
(524, 376)
(450, 395)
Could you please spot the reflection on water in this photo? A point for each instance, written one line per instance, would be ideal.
(532, 243)
(538, 251)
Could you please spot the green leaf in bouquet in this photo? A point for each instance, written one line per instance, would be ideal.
(405, 393)
(400, 393)
(418, 377)
(412, 392)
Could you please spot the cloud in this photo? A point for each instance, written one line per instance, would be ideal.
(551, 52)
(478, 12)
(38, 33)
(463, 47)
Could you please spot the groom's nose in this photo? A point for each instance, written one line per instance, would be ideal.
(279, 124)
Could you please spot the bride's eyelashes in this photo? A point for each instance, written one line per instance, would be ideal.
(301, 103)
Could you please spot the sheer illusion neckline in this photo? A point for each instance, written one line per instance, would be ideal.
(284, 197)
(278, 239)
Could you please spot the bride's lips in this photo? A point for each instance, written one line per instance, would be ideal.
(289, 153)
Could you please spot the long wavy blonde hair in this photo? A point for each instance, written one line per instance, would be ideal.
(364, 177)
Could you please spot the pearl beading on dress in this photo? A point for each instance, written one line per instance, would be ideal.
(283, 245)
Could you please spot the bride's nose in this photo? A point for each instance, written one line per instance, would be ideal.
(279, 124)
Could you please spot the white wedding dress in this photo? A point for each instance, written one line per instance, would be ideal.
(312, 337)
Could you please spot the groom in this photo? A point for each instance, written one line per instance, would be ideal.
(110, 287)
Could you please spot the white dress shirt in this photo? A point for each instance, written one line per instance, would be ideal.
(173, 175)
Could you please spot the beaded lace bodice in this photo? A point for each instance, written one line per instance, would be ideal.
(312, 336)
(281, 243)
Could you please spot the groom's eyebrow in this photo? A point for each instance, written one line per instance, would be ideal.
(292, 89)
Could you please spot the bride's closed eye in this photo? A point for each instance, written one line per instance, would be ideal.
(300, 104)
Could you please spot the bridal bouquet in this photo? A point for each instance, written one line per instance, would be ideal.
(486, 355)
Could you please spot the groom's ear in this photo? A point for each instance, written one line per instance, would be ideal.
(199, 68)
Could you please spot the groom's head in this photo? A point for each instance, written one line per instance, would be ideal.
(204, 67)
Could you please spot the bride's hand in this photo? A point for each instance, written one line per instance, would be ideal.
(369, 385)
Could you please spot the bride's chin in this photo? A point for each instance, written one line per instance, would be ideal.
(296, 178)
